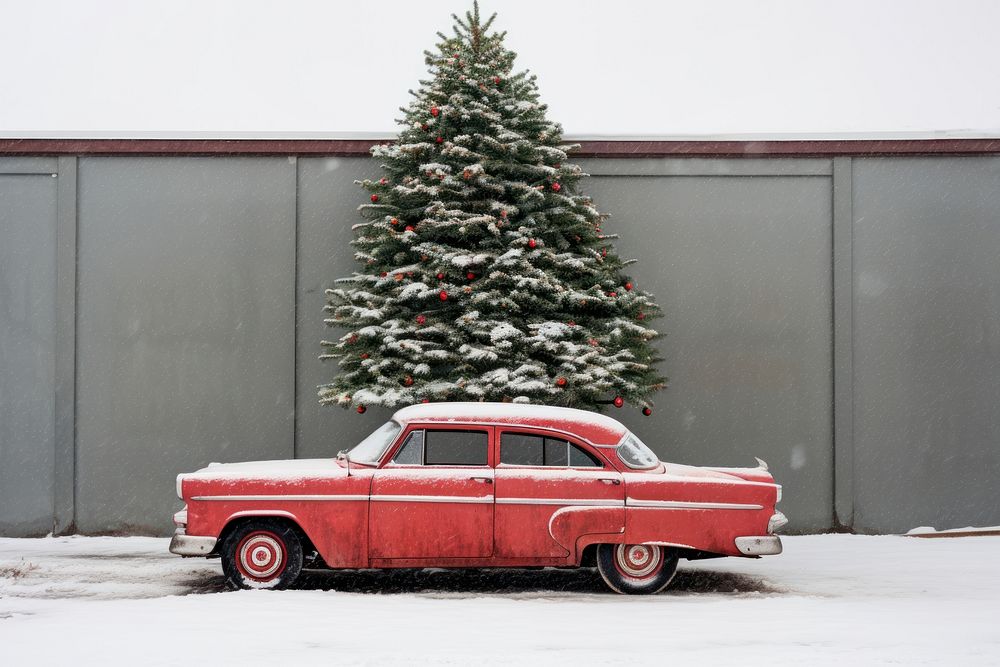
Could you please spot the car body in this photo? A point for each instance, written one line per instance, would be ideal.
(478, 485)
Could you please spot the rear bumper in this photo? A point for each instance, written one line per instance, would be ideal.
(191, 545)
(764, 545)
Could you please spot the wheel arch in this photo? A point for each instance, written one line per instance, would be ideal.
(238, 519)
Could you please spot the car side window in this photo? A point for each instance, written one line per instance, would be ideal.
(523, 449)
(444, 448)
(412, 451)
(456, 448)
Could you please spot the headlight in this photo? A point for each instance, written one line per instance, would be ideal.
(180, 490)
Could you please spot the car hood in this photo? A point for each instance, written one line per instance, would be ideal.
(280, 469)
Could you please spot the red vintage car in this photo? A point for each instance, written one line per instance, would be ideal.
(478, 485)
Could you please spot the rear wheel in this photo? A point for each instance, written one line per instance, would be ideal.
(262, 554)
(636, 569)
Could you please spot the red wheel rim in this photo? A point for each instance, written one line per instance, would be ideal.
(261, 556)
(638, 562)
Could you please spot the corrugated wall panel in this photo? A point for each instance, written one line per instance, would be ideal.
(742, 267)
(927, 342)
(27, 350)
(186, 327)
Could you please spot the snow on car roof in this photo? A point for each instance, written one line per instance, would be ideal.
(598, 429)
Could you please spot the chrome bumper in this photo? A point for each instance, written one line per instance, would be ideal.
(765, 545)
(191, 545)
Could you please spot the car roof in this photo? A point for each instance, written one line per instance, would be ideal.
(598, 429)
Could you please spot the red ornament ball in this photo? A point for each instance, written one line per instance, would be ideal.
(593, 342)
(425, 400)
(374, 198)
(361, 409)
(435, 111)
(470, 275)
(532, 243)
(394, 221)
(383, 181)
(383, 274)
(619, 401)
(443, 295)
(439, 139)
(612, 294)
(641, 315)
(561, 382)
(628, 286)
(408, 228)
(408, 381)
(647, 411)
(571, 323)
(556, 187)
(440, 276)
(364, 355)
(496, 80)
(424, 127)
(421, 319)
(503, 214)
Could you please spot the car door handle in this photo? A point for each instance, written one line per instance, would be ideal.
(484, 480)
(609, 480)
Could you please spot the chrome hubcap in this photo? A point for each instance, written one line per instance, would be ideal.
(638, 560)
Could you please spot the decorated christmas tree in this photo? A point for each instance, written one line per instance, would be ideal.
(485, 274)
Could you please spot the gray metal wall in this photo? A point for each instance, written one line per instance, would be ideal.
(186, 326)
(27, 344)
(742, 266)
(839, 318)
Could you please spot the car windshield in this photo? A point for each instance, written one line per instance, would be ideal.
(635, 454)
(370, 449)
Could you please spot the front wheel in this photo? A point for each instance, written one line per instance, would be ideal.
(262, 554)
(636, 569)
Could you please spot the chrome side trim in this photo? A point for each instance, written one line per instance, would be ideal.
(676, 545)
(261, 512)
(284, 497)
(587, 502)
(766, 545)
(686, 505)
(346, 497)
(471, 500)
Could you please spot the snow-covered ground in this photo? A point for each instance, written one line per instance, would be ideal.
(829, 599)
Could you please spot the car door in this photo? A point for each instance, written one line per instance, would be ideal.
(433, 498)
(551, 488)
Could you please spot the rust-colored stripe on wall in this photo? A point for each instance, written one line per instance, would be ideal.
(603, 148)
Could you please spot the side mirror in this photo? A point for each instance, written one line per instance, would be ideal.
(343, 455)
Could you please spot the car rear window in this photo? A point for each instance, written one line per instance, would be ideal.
(525, 449)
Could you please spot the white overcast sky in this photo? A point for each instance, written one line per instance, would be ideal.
(641, 68)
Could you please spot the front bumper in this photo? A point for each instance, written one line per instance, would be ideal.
(764, 545)
(191, 545)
